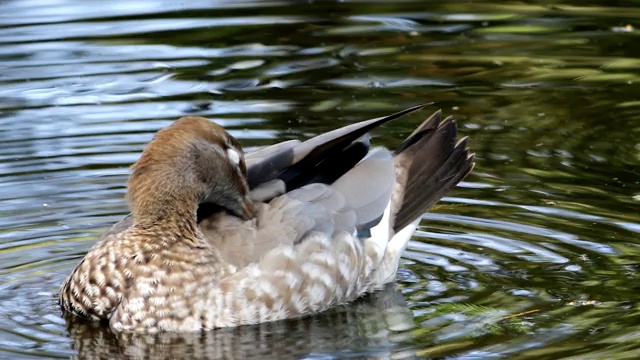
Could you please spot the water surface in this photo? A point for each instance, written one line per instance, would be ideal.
(535, 255)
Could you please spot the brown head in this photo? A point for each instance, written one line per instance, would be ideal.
(190, 162)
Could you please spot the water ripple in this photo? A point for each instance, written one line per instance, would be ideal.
(532, 255)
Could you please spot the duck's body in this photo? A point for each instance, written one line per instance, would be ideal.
(301, 227)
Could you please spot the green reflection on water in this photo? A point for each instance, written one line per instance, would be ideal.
(534, 256)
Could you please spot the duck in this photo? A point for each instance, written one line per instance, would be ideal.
(218, 237)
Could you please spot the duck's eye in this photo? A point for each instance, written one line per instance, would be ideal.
(234, 156)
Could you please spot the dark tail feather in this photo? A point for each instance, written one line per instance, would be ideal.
(428, 164)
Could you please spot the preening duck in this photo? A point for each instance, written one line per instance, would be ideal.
(219, 238)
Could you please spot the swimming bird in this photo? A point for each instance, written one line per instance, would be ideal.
(219, 238)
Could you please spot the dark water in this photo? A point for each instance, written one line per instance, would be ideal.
(534, 256)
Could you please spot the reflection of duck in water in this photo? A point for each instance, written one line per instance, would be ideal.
(298, 228)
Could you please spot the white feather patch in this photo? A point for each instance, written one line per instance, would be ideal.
(233, 155)
(380, 234)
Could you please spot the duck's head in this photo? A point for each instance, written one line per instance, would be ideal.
(191, 162)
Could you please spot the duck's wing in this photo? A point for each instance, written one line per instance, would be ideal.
(324, 158)
(347, 187)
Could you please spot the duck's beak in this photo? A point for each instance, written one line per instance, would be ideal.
(246, 210)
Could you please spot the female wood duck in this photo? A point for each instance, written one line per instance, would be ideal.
(217, 238)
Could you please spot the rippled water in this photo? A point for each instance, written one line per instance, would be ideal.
(535, 255)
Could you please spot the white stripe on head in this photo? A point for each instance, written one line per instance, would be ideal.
(233, 155)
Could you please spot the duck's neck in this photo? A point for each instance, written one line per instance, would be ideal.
(174, 216)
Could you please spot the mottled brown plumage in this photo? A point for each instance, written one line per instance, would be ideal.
(303, 227)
